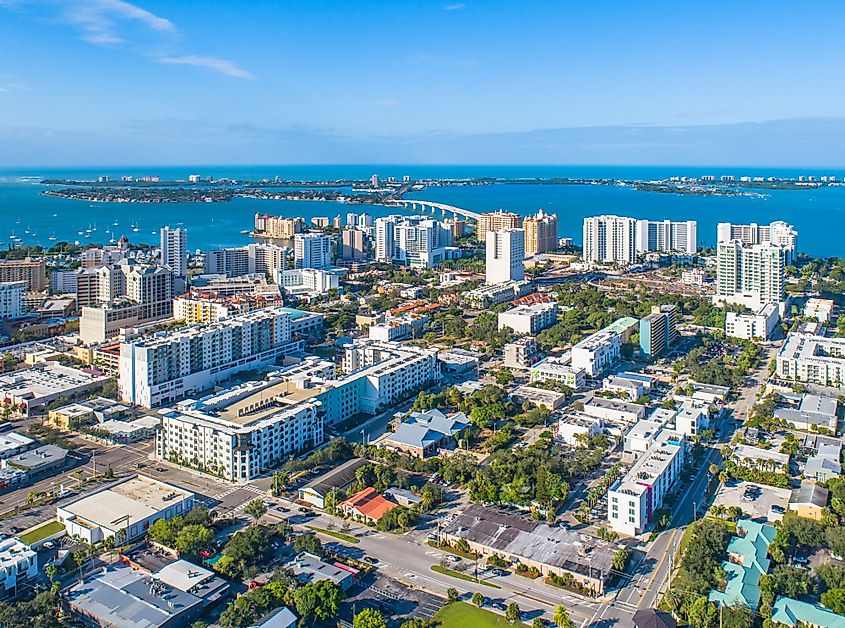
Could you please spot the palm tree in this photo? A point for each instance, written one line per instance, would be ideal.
(561, 617)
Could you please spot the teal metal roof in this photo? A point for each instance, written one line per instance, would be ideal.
(747, 562)
(790, 612)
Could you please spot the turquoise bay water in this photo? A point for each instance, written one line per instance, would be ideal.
(819, 215)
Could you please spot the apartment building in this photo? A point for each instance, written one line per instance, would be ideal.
(174, 250)
(167, 367)
(610, 240)
(778, 232)
(308, 282)
(560, 370)
(256, 258)
(750, 274)
(820, 310)
(812, 359)
(208, 307)
(353, 244)
(414, 241)
(505, 255)
(666, 236)
(496, 221)
(32, 272)
(658, 330)
(11, 299)
(540, 233)
(278, 226)
(529, 319)
(597, 352)
(522, 353)
(312, 250)
(633, 500)
(495, 293)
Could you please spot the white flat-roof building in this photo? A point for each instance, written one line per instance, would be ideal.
(820, 310)
(750, 456)
(632, 501)
(11, 299)
(813, 412)
(34, 388)
(692, 417)
(308, 281)
(615, 409)
(756, 326)
(559, 369)
(529, 319)
(12, 443)
(129, 507)
(17, 563)
(175, 364)
(597, 352)
(813, 359)
(505, 255)
(495, 293)
(632, 389)
(575, 424)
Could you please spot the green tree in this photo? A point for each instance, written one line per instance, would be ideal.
(193, 538)
(478, 599)
(308, 543)
(538, 622)
(256, 509)
(702, 613)
(834, 599)
(369, 618)
(561, 617)
(452, 594)
(319, 600)
(164, 531)
(512, 613)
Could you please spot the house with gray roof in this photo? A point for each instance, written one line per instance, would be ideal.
(422, 434)
(811, 410)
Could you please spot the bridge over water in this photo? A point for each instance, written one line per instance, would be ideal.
(424, 206)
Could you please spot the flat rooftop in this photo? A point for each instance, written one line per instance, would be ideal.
(138, 498)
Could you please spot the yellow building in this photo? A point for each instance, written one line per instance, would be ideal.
(540, 233)
(496, 221)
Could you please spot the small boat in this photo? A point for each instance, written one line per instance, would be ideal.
(78, 233)
(114, 223)
(52, 238)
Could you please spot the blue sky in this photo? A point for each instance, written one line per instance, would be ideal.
(120, 82)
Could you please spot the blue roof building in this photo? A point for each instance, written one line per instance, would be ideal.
(791, 612)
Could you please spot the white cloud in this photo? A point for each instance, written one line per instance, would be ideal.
(223, 66)
(457, 6)
(98, 20)
(387, 102)
(118, 23)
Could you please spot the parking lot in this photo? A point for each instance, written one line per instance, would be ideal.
(755, 500)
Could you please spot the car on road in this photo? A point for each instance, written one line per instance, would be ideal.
(499, 606)
(500, 572)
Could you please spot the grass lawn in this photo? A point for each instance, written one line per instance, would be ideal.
(457, 574)
(338, 535)
(42, 532)
(452, 550)
(462, 615)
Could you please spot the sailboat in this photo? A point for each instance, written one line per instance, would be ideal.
(52, 238)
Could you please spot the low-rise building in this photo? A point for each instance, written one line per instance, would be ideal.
(692, 417)
(459, 360)
(615, 409)
(127, 508)
(824, 463)
(309, 568)
(339, 478)
(492, 294)
(633, 500)
(747, 562)
(32, 390)
(522, 353)
(559, 370)
(813, 412)
(18, 563)
(550, 550)
(12, 443)
(529, 319)
(790, 612)
(38, 462)
(809, 501)
(756, 326)
(820, 310)
(631, 389)
(575, 426)
(308, 282)
(366, 506)
(540, 397)
(87, 411)
(423, 434)
(755, 457)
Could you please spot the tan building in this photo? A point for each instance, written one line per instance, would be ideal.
(278, 226)
(496, 221)
(809, 501)
(33, 272)
(354, 244)
(540, 233)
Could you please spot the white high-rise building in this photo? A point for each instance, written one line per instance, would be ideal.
(261, 258)
(505, 255)
(414, 241)
(174, 250)
(666, 236)
(312, 250)
(610, 240)
(777, 232)
(11, 299)
(750, 274)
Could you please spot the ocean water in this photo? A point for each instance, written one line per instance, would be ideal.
(818, 214)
